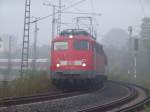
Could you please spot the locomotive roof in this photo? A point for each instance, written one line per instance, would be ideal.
(74, 32)
(77, 33)
(79, 36)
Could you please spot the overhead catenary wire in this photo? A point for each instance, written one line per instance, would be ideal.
(72, 5)
(86, 13)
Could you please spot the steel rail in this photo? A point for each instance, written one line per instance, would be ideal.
(37, 98)
(138, 105)
(35, 95)
(116, 103)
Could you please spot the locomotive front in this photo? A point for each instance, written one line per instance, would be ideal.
(72, 58)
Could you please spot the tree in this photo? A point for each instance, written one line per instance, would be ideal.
(145, 33)
(0, 42)
(145, 28)
(116, 37)
(115, 46)
(144, 52)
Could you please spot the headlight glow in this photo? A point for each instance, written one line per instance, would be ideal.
(83, 64)
(70, 36)
(57, 65)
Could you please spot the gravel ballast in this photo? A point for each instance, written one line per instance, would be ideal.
(107, 94)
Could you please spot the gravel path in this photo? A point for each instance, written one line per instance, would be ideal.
(72, 104)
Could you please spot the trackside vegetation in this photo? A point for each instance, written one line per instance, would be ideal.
(32, 83)
(142, 80)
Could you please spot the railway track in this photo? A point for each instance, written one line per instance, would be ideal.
(134, 99)
(38, 98)
(125, 104)
(138, 106)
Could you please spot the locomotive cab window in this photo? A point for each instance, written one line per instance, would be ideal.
(60, 45)
(81, 45)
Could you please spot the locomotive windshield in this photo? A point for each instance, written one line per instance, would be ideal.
(60, 45)
(81, 45)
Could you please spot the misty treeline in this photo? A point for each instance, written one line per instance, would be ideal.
(42, 52)
(144, 54)
(121, 56)
(116, 46)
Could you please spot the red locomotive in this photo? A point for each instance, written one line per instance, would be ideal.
(76, 58)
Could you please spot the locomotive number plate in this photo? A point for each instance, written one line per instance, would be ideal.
(70, 63)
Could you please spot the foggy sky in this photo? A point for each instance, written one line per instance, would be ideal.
(115, 13)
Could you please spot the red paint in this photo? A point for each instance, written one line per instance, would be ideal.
(72, 54)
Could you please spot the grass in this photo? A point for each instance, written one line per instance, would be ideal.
(31, 83)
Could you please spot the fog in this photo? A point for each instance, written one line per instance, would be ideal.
(112, 28)
(114, 14)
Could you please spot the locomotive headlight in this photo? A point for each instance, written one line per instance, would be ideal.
(57, 65)
(70, 36)
(83, 64)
